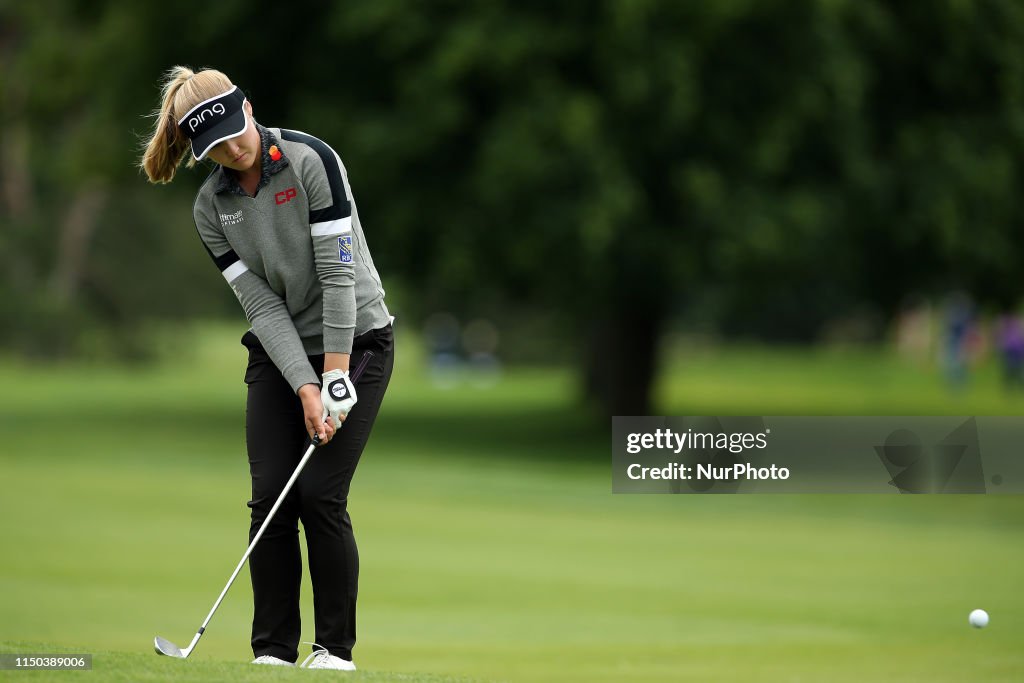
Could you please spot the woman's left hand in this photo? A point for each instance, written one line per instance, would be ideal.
(338, 396)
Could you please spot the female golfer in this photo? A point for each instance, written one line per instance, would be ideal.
(278, 219)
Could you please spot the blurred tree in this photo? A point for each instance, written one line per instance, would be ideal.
(623, 162)
(761, 165)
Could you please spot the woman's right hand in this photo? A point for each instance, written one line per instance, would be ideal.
(313, 410)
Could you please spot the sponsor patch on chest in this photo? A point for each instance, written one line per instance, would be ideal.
(345, 248)
(285, 196)
(231, 218)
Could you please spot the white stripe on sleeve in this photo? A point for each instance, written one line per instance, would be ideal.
(232, 272)
(335, 227)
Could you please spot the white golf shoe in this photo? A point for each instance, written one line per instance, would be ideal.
(322, 659)
(271, 660)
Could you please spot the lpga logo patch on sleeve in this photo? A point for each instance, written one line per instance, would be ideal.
(345, 248)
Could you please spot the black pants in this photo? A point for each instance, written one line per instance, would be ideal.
(276, 438)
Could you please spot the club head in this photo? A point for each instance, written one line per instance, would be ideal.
(166, 647)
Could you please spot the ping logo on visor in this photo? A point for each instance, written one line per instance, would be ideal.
(214, 120)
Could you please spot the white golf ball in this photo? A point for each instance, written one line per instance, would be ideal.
(978, 618)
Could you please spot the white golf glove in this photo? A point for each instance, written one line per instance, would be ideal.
(338, 395)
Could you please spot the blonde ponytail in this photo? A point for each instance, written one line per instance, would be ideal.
(182, 89)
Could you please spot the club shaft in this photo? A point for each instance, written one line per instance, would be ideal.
(256, 538)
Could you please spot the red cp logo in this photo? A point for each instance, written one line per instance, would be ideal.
(285, 196)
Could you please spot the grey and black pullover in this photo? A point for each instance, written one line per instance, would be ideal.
(294, 254)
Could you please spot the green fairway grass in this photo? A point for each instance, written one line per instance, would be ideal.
(708, 380)
(491, 546)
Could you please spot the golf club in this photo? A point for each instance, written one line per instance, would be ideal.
(166, 647)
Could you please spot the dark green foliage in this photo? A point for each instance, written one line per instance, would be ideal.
(758, 167)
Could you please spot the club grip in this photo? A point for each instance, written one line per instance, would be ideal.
(354, 377)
